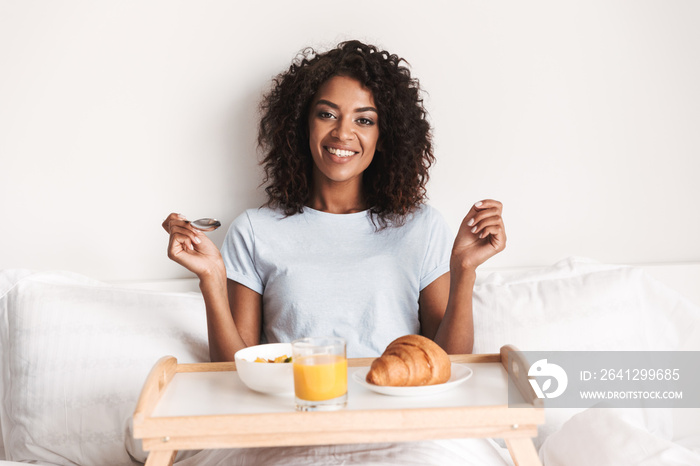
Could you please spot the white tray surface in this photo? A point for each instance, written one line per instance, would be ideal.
(217, 393)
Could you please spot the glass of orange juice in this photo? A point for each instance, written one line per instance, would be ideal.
(320, 373)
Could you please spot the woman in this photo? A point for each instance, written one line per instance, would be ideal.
(345, 244)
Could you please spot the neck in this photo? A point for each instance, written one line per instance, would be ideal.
(337, 199)
(332, 208)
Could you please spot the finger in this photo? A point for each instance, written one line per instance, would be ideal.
(487, 204)
(484, 205)
(171, 223)
(483, 215)
(496, 237)
(187, 231)
(495, 229)
(468, 219)
(495, 219)
(176, 247)
(171, 219)
(179, 244)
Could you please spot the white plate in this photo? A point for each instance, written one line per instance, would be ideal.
(460, 373)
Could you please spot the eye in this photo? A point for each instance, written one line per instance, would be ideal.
(325, 115)
(365, 121)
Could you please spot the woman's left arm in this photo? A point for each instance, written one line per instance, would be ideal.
(446, 304)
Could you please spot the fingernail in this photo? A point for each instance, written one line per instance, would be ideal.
(478, 204)
(182, 217)
(197, 240)
(470, 222)
(191, 247)
(474, 230)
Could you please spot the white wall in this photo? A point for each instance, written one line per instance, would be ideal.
(582, 117)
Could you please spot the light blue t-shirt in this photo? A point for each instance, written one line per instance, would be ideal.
(323, 274)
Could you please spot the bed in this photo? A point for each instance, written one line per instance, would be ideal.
(581, 117)
(75, 352)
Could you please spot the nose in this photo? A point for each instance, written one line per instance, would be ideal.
(343, 130)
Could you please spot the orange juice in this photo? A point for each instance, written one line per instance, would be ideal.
(320, 377)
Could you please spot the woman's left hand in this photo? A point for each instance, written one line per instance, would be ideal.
(481, 235)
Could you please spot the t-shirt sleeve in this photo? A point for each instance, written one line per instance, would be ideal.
(238, 252)
(438, 250)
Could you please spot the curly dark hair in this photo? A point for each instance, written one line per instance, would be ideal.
(394, 183)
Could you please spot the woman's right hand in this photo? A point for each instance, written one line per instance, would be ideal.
(191, 248)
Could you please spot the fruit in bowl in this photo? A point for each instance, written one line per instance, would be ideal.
(266, 377)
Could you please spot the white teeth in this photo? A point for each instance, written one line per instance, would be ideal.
(340, 152)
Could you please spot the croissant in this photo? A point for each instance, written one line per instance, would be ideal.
(411, 360)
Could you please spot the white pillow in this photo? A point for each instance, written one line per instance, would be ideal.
(614, 437)
(75, 353)
(577, 305)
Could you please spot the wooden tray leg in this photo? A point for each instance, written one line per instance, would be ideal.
(523, 452)
(161, 458)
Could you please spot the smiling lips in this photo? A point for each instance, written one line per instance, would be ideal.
(340, 152)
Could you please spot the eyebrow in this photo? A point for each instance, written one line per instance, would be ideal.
(357, 110)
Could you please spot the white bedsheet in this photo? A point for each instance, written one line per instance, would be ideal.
(574, 305)
(620, 437)
(462, 452)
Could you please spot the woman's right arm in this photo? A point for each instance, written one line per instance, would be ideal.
(233, 311)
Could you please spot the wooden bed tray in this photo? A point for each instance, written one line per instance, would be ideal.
(194, 406)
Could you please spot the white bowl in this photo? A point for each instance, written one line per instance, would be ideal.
(272, 378)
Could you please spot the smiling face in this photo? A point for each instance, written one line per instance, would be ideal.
(343, 132)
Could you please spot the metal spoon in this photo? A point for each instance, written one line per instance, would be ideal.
(206, 224)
